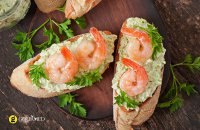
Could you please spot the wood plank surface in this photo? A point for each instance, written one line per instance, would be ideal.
(181, 18)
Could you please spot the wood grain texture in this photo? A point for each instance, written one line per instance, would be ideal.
(182, 19)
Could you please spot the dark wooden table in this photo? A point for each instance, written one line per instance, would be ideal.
(182, 20)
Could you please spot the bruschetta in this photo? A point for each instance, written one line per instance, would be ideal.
(67, 66)
(77, 8)
(138, 73)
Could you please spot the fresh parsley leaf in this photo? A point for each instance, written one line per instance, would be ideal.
(124, 99)
(188, 59)
(20, 37)
(36, 72)
(176, 103)
(22, 43)
(188, 88)
(190, 62)
(73, 106)
(65, 99)
(81, 22)
(173, 104)
(25, 50)
(156, 38)
(164, 104)
(63, 28)
(171, 92)
(87, 79)
(52, 38)
(195, 65)
(77, 109)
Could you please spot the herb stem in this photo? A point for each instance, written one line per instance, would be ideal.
(50, 21)
(37, 29)
(184, 64)
(175, 100)
(179, 64)
(176, 83)
(172, 71)
(55, 23)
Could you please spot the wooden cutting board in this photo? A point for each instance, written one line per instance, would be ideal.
(108, 15)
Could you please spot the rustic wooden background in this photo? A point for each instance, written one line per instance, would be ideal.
(182, 21)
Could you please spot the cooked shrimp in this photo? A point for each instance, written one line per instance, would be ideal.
(134, 80)
(139, 47)
(91, 53)
(61, 67)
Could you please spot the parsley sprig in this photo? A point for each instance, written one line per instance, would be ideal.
(64, 28)
(36, 72)
(87, 79)
(22, 43)
(124, 99)
(174, 94)
(192, 64)
(52, 37)
(74, 107)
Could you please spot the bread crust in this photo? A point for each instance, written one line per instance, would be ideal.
(20, 78)
(21, 81)
(125, 119)
(77, 8)
(47, 6)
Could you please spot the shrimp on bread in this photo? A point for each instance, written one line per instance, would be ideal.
(58, 69)
(138, 73)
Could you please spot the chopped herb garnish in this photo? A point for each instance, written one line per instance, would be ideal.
(123, 99)
(36, 72)
(87, 79)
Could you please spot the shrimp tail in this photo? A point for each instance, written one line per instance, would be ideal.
(130, 63)
(99, 40)
(136, 33)
(67, 53)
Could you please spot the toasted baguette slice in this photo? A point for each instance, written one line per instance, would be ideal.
(21, 81)
(77, 8)
(126, 119)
